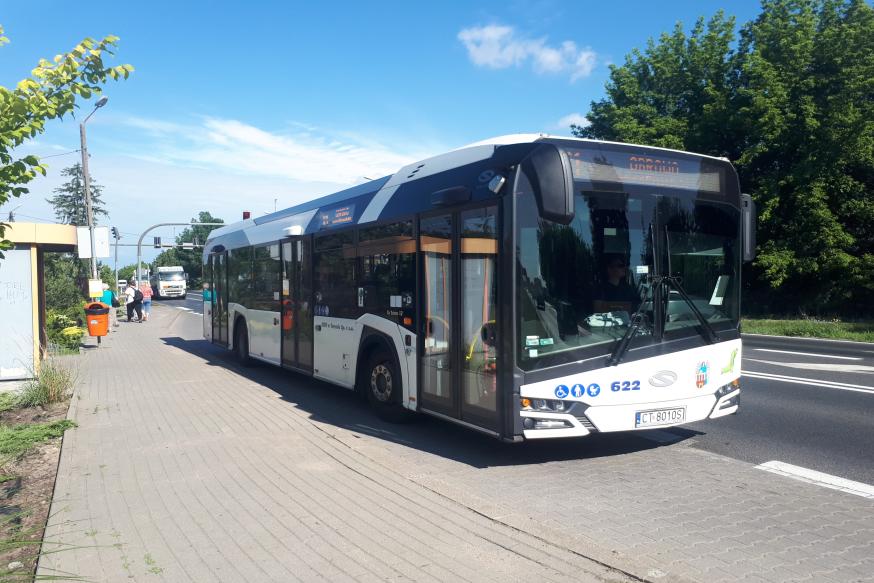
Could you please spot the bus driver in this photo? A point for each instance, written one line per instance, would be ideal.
(616, 294)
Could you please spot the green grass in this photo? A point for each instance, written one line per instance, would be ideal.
(53, 385)
(17, 440)
(8, 401)
(858, 331)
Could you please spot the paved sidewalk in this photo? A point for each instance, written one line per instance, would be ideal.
(185, 467)
(184, 470)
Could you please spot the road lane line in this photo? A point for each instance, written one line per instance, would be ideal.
(827, 366)
(804, 381)
(808, 354)
(818, 478)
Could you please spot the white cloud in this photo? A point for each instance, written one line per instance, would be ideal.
(570, 119)
(499, 47)
(241, 148)
(156, 171)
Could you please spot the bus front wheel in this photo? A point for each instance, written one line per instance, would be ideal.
(382, 383)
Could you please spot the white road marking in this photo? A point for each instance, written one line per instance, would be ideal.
(805, 381)
(183, 308)
(818, 478)
(829, 366)
(808, 354)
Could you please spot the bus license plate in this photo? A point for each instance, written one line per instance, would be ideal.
(659, 417)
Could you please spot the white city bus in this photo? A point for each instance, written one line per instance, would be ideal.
(526, 286)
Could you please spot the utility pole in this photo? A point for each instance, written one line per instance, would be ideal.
(89, 215)
(116, 235)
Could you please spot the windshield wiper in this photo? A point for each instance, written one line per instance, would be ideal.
(636, 320)
(709, 333)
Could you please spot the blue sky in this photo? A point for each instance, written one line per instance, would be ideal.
(235, 104)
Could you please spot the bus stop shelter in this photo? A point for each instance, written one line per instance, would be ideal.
(22, 295)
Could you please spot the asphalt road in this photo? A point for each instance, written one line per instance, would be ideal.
(808, 403)
(193, 302)
(804, 402)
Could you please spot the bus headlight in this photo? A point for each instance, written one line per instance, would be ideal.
(542, 404)
(726, 389)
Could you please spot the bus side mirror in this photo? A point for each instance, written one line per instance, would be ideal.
(748, 227)
(549, 171)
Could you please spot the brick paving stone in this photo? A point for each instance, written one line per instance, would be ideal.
(186, 468)
(181, 470)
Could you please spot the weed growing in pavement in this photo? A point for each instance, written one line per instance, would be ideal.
(28, 538)
(53, 384)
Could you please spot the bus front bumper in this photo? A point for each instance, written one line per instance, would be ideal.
(581, 421)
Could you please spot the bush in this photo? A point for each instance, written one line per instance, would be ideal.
(53, 384)
(63, 328)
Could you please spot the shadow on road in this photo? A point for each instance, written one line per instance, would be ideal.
(327, 403)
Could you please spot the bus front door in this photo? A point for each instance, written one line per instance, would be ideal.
(459, 289)
(297, 316)
(219, 297)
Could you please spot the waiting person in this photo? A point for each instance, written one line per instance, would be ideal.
(109, 298)
(616, 294)
(133, 301)
(146, 290)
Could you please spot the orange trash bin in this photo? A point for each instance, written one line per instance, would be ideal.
(97, 317)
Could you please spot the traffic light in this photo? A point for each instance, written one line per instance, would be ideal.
(115, 234)
(157, 242)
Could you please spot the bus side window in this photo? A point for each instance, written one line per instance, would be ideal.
(387, 271)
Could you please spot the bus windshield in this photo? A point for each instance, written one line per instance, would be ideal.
(580, 284)
(171, 276)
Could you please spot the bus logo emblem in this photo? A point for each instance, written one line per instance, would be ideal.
(662, 379)
(701, 373)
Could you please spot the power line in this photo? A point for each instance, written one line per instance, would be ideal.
(62, 154)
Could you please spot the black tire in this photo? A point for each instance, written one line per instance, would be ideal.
(381, 382)
(241, 344)
(184, 296)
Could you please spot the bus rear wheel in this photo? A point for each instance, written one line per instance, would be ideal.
(241, 343)
(382, 384)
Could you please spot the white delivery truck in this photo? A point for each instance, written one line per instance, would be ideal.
(169, 282)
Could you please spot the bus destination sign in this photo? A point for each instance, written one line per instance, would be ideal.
(666, 171)
(337, 217)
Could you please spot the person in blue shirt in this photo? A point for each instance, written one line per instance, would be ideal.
(107, 298)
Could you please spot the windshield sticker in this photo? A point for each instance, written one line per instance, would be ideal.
(561, 391)
(594, 390)
(546, 342)
(641, 269)
(719, 290)
(532, 341)
(610, 231)
(532, 353)
(701, 374)
(730, 366)
(577, 390)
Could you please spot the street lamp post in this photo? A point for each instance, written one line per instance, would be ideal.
(86, 177)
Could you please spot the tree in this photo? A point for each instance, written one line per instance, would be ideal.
(51, 92)
(190, 259)
(69, 199)
(792, 107)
